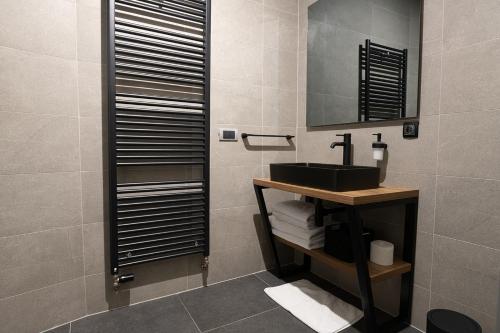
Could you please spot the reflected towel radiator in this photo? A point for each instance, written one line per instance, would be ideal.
(382, 82)
(158, 123)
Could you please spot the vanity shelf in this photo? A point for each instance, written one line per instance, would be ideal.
(377, 272)
(354, 202)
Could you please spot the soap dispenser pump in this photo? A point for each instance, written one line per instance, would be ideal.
(378, 148)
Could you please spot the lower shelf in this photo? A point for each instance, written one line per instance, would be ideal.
(377, 272)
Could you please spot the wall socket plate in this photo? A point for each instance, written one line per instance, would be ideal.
(228, 134)
(410, 129)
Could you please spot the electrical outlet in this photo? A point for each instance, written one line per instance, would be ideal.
(410, 129)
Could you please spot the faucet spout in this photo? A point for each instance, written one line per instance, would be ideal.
(337, 144)
(346, 144)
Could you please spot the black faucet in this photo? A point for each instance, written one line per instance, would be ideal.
(347, 148)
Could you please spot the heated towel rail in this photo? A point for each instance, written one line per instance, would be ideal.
(382, 82)
(158, 130)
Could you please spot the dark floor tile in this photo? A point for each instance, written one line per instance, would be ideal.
(227, 302)
(410, 330)
(270, 279)
(165, 315)
(274, 321)
(60, 329)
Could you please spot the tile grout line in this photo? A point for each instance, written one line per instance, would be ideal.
(242, 319)
(81, 163)
(437, 159)
(189, 314)
(261, 279)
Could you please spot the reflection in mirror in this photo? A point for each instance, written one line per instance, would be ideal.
(363, 59)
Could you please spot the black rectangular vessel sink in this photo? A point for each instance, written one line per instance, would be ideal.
(331, 177)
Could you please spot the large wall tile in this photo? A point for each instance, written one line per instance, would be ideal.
(234, 21)
(89, 33)
(46, 246)
(18, 280)
(93, 201)
(237, 41)
(418, 155)
(242, 63)
(42, 309)
(468, 144)
(433, 20)
(35, 202)
(35, 143)
(156, 280)
(280, 30)
(420, 307)
(231, 227)
(470, 22)
(41, 26)
(279, 107)
(228, 264)
(426, 184)
(423, 260)
(93, 248)
(236, 153)
(289, 6)
(236, 103)
(280, 69)
(430, 88)
(33, 83)
(470, 75)
(468, 209)
(487, 322)
(466, 273)
(90, 82)
(233, 186)
(91, 144)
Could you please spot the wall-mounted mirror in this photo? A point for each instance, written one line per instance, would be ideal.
(363, 60)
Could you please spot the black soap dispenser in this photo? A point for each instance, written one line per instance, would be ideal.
(378, 148)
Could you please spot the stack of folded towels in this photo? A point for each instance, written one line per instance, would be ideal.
(293, 220)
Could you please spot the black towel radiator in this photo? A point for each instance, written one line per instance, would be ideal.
(159, 102)
(382, 82)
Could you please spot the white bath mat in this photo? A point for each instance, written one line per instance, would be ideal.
(315, 307)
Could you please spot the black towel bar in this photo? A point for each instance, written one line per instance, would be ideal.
(288, 137)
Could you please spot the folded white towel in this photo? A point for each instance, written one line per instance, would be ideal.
(305, 234)
(310, 244)
(296, 209)
(305, 225)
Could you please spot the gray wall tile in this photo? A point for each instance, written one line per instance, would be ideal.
(35, 202)
(470, 22)
(482, 68)
(45, 27)
(468, 209)
(42, 309)
(487, 322)
(466, 273)
(33, 143)
(468, 145)
(39, 247)
(34, 83)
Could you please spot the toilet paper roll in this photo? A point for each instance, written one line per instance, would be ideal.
(382, 253)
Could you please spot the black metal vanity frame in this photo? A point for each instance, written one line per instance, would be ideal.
(353, 212)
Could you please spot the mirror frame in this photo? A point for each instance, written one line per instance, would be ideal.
(387, 121)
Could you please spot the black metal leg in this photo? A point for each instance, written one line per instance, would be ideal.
(307, 263)
(265, 218)
(364, 280)
(410, 239)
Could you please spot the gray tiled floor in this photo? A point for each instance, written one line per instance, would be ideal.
(236, 306)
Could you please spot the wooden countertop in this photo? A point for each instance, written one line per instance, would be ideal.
(352, 198)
